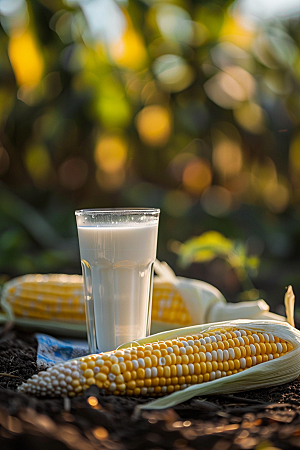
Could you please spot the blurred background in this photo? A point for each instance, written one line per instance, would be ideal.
(189, 106)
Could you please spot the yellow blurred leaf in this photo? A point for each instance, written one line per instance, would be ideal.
(26, 58)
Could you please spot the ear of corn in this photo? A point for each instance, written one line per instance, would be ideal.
(60, 298)
(200, 360)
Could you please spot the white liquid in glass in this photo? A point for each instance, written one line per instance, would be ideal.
(118, 265)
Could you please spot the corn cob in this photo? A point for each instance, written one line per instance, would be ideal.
(60, 297)
(229, 356)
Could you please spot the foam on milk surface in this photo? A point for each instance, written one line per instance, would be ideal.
(118, 263)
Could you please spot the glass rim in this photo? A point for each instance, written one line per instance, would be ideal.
(117, 211)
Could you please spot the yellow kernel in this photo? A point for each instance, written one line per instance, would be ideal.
(115, 369)
(78, 389)
(155, 381)
(168, 360)
(220, 366)
(147, 382)
(289, 347)
(237, 363)
(131, 385)
(251, 339)
(181, 380)
(91, 381)
(137, 391)
(200, 378)
(140, 354)
(184, 359)
(248, 361)
(276, 355)
(88, 373)
(188, 379)
(209, 348)
(231, 343)
(170, 389)
(202, 357)
(106, 384)
(157, 353)
(196, 358)
(284, 347)
(197, 369)
(108, 363)
(231, 364)
(203, 367)
(75, 383)
(167, 371)
(83, 366)
(221, 345)
(178, 360)
(265, 358)
(214, 365)
(225, 366)
(91, 364)
(101, 377)
(259, 359)
(191, 358)
(129, 392)
(121, 387)
(237, 352)
(206, 377)
(174, 380)
(208, 367)
(104, 369)
(162, 381)
(127, 376)
(160, 371)
(133, 375)
(194, 379)
(140, 383)
(119, 379)
(248, 350)
(140, 373)
(176, 387)
(154, 360)
(122, 366)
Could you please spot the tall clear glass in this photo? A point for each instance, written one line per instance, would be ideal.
(118, 250)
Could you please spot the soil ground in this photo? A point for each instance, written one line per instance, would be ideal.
(266, 419)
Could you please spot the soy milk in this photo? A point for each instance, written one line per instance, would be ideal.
(117, 263)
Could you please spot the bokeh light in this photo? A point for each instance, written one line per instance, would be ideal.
(154, 125)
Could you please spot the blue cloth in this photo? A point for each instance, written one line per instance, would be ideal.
(54, 351)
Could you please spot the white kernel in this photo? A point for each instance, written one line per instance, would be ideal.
(61, 376)
(161, 361)
(270, 356)
(266, 336)
(36, 376)
(179, 370)
(253, 349)
(141, 362)
(75, 374)
(256, 338)
(212, 376)
(225, 355)
(220, 355)
(151, 390)
(271, 337)
(196, 342)
(113, 359)
(241, 340)
(169, 350)
(82, 380)
(185, 343)
(154, 372)
(214, 355)
(182, 350)
(208, 356)
(207, 340)
(231, 352)
(120, 359)
(135, 364)
(253, 360)
(218, 374)
(202, 341)
(213, 339)
(223, 373)
(164, 389)
(191, 368)
(190, 342)
(67, 371)
(99, 362)
(144, 391)
(243, 363)
(69, 388)
(55, 383)
(237, 333)
(112, 387)
(279, 347)
(63, 384)
(96, 369)
(183, 386)
(111, 377)
(243, 333)
(53, 372)
(69, 380)
(48, 379)
(147, 372)
(42, 384)
(218, 337)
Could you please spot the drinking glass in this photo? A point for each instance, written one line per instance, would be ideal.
(118, 250)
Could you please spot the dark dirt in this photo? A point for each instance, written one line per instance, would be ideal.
(265, 419)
